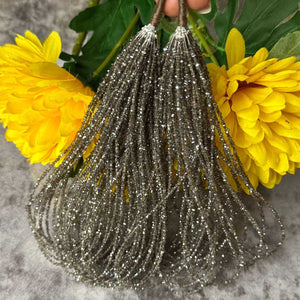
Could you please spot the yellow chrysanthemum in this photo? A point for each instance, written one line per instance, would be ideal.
(41, 104)
(259, 99)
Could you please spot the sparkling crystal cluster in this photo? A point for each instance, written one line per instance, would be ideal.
(152, 200)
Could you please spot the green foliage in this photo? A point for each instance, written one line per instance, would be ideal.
(223, 21)
(259, 18)
(168, 25)
(260, 23)
(76, 168)
(166, 28)
(287, 46)
(293, 24)
(107, 21)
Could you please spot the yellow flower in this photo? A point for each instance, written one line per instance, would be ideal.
(259, 99)
(41, 104)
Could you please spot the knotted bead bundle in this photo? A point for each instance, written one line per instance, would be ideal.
(153, 197)
(220, 230)
(94, 224)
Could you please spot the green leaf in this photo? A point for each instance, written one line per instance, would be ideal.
(224, 21)
(107, 21)
(256, 20)
(259, 18)
(65, 56)
(168, 25)
(287, 46)
(163, 38)
(76, 168)
(293, 24)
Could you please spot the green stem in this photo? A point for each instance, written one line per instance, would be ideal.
(82, 35)
(114, 51)
(208, 38)
(214, 44)
(78, 44)
(202, 39)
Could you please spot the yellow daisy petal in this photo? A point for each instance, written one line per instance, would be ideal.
(279, 84)
(225, 109)
(295, 150)
(283, 164)
(28, 45)
(292, 103)
(281, 64)
(278, 142)
(237, 70)
(250, 113)
(240, 101)
(241, 139)
(257, 94)
(50, 71)
(277, 76)
(33, 38)
(213, 70)
(252, 129)
(292, 167)
(234, 47)
(269, 117)
(232, 88)
(260, 56)
(261, 66)
(295, 66)
(254, 77)
(272, 180)
(263, 174)
(289, 88)
(245, 159)
(262, 110)
(258, 151)
(252, 175)
(230, 121)
(42, 105)
(274, 102)
(52, 47)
